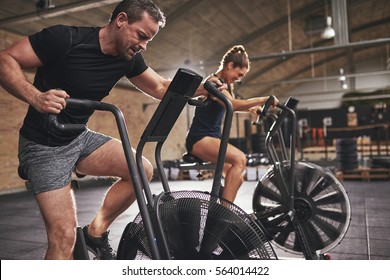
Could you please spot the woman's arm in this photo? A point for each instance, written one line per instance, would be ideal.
(247, 104)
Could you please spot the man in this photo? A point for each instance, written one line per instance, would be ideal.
(80, 62)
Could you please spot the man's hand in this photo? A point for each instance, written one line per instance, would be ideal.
(221, 86)
(51, 101)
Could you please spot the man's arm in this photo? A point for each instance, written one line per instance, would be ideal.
(13, 60)
(151, 83)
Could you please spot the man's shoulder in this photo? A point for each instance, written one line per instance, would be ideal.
(70, 27)
(54, 42)
(84, 35)
(78, 31)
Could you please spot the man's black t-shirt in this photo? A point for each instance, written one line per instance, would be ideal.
(73, 61)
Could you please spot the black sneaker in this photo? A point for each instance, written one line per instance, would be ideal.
(100, 245)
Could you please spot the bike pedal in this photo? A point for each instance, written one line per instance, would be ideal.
(325, 256)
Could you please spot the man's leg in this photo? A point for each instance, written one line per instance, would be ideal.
(109, 160)
(59, 214)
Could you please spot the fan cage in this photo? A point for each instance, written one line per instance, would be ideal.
(198, 225)
(330, 214)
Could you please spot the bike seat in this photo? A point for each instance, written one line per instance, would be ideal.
(190, 158)
(79, 175)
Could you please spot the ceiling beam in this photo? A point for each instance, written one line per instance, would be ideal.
(353, 45)
(57, 11)
(278, 62)
(359, 46)
(181, 12)
(79, 6)
(319, 78)
(246, 39)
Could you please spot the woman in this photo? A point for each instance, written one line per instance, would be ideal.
(204, 137)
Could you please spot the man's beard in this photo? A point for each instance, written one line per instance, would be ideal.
(126, 55)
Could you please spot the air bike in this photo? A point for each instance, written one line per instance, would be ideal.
(202, 225)
(303, 208)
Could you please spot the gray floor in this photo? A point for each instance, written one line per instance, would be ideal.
(22, 234)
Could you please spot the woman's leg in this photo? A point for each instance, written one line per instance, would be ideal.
(235, 162)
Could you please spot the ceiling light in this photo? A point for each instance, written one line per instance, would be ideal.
(328, 31)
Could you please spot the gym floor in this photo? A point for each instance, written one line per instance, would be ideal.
(22, 234)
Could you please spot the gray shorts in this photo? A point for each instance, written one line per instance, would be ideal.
(50, 168)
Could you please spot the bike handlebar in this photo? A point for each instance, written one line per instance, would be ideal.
(199, 103)
(83, 103)
(73, 103)
(270, 101)
(96, 105)
(54, 124)
(261, 113)
(214, 91)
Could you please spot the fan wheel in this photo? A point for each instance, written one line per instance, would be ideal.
(199, 226)
(321, 206)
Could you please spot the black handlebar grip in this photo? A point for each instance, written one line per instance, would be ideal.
(55, 125)
(72, 103)
(267, 104)
(82, 103)
(199, 103)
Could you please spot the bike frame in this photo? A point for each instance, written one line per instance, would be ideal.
(286, 187)
(180, 91)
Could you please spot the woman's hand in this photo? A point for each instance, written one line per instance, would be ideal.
(256, 110)
(276, 101)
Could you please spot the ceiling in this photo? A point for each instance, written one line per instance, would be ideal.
(284, 54)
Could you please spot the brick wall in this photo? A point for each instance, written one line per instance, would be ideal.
(11, 117)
